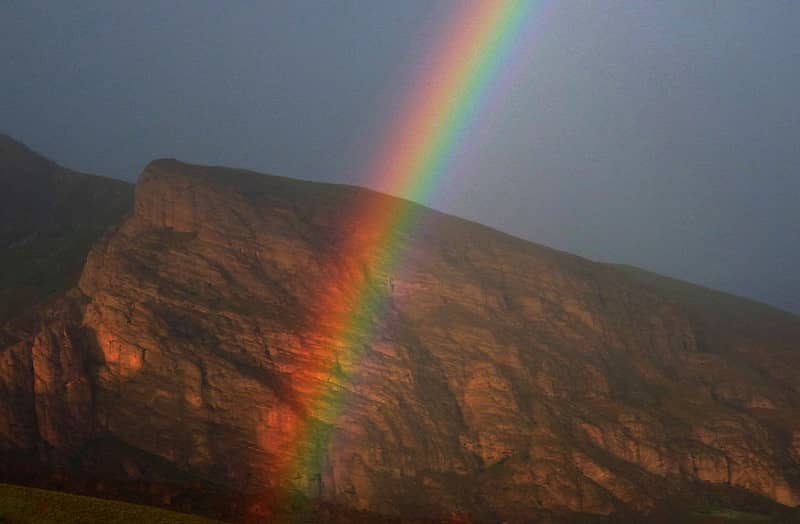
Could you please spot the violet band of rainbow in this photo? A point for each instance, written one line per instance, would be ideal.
(445, 98)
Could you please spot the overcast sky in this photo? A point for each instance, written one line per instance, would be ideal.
(660, 134)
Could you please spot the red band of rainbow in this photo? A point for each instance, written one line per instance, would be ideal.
(444, 101)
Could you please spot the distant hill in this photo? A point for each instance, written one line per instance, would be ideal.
(49, 218)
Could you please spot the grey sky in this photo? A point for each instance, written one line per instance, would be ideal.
(661, 134)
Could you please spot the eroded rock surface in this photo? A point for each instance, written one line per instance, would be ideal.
(504, 380)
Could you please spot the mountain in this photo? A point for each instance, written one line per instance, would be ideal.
(49, 218)
(504, 381)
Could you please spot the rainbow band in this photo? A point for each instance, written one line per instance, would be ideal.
(448, 93)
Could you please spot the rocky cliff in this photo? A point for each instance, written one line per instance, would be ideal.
(505, 381)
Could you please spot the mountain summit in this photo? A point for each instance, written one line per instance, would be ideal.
(504, 381)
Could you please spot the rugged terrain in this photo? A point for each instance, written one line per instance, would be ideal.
(506, 381)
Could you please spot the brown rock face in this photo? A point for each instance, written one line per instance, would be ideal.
(502, 379)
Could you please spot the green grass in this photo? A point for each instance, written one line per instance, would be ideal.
(20, 505)
(732, 514)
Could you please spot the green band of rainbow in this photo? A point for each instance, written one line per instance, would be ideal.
(448, 93)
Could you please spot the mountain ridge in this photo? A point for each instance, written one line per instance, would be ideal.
(509, 379)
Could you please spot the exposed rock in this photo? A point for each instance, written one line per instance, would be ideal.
(504, 380)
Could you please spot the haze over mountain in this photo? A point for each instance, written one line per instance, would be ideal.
(505, 381)
(659, 134)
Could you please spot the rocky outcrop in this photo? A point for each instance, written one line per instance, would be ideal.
(501, 379)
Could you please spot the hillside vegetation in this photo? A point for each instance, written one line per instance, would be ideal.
(23, 505)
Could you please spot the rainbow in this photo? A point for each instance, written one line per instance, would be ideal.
(444, 100)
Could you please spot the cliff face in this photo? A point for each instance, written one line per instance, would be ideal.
(506, 380)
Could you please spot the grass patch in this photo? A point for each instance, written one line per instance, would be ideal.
(732, 514)
(23, 505)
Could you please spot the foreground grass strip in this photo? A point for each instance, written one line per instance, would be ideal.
(732, 514)
(19, 504)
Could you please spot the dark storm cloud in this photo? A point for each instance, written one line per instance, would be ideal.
(665, 135)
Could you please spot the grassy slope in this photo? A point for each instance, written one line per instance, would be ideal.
(24, 505)
(28, 505)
